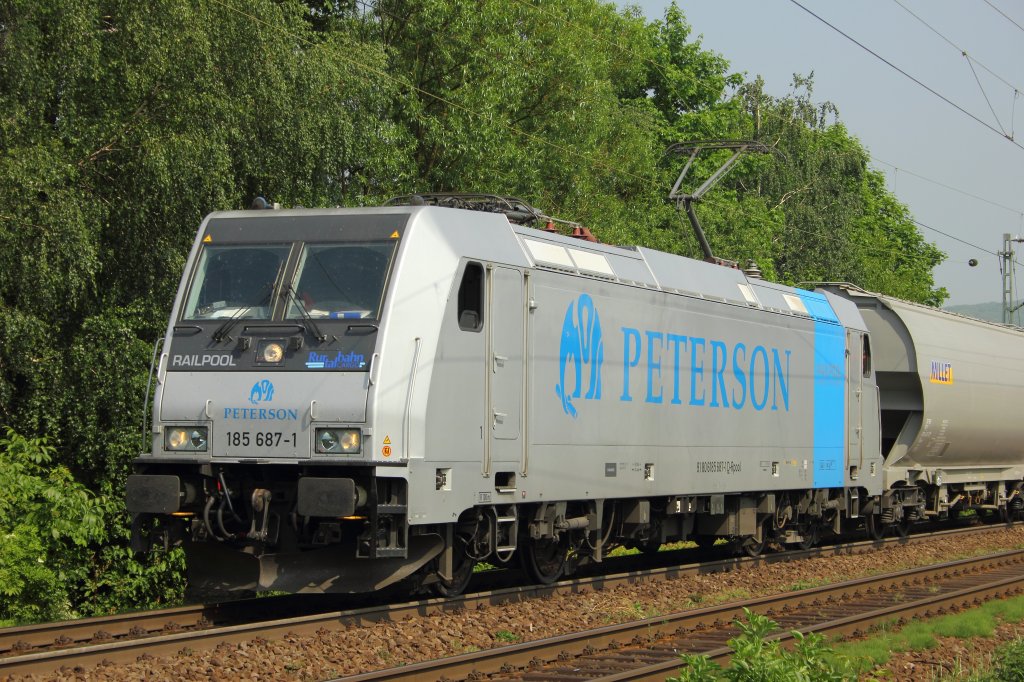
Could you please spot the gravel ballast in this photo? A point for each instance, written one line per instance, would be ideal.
(384, 645)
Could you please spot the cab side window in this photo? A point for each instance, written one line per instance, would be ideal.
(471, 298)
(866, 358)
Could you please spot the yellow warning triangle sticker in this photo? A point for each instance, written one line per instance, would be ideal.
(394, 235)
(387, 440)
(207, 239)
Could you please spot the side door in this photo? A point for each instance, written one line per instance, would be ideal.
(855, 415)
(506, 330)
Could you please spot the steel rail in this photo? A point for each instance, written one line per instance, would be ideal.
(648, 649)
(124, 637)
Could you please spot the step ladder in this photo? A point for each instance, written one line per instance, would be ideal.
(504, 530)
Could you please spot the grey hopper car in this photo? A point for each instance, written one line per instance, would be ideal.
(347, 398)
(949, 388)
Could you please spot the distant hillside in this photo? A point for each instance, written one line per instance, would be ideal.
(983, 311)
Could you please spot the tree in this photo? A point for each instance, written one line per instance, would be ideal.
(123, 124)
(47, 521)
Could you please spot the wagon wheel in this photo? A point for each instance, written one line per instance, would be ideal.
(544, 560)
(461, 576)
(752, 547)
(903, 527)
(1009, 514)
(876, 529)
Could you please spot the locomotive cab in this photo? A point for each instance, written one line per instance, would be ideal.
(261, 439)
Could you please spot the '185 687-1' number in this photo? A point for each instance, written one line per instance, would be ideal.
(261, 439)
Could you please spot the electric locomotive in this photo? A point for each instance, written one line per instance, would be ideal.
(349, 398)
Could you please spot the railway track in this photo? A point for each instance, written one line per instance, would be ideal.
(649, 649)
(45, 648)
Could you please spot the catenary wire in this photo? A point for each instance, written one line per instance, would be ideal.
(959, 49)
(971, 61)
(1005, 15)
(1016, 211)
(907, 75)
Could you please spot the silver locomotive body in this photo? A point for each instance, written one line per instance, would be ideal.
(350, 397)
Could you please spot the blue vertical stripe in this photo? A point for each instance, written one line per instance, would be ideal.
(829, 392)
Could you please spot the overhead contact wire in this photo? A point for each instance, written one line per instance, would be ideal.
(1005, 15)
(959, 49)
(908, 76)
(971, 61)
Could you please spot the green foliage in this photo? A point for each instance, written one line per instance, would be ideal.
(62, 553)
(756, 658)
(47, 521)
(1009, 663)
(117, 581)
(814, 211)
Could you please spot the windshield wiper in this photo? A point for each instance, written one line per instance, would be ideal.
(221, 332)
(289, 291)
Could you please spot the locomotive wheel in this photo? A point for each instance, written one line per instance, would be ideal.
(544, 560)
(875, 527)
(754, 548)
(810, 537)
(704, 542)
(650, 547)
(460, 578)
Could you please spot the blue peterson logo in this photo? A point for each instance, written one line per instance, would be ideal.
(262, 392)
(667, 367)
(582, 346)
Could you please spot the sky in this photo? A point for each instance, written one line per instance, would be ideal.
(958, 175)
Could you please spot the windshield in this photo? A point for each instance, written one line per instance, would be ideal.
(341, 281)
(235, 281)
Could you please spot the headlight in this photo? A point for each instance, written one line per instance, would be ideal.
(270, 352)
(185, 438)
(338, 441)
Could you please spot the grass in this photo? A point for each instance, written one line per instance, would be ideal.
(922, 635)
(636, 611)
(670, 547)
(807, 584)
(460, 647)
(506, 636)
(725, 596)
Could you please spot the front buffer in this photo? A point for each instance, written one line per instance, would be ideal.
(265, 527)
